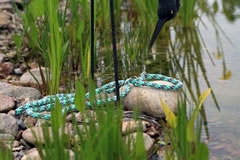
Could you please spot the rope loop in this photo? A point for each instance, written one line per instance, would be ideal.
(35, 109)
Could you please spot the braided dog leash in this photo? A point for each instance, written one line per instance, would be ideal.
(35, 109)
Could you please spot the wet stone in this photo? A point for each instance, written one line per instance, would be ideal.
(6, 103)
(8, 125)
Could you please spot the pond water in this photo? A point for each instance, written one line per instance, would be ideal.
(206, 59)
(202, 57)
(223, 125)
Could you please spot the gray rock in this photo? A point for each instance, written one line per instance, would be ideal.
(11, 54)
(132, 126)
(6, 1)
(16, 144)
(18, 152)
(18, 148)
(25, 144)
(148, 142)
(27, 78)
(32, 154)
(41, 122)
(11, 113)
(6, 103)
(147, 99)
(28, 135)
(8, 124)
(18, 71)
(6, 5)
(5, 150)
(7, 139)
(19, 93)
(88, 116)
(4, 18)
(21, 125)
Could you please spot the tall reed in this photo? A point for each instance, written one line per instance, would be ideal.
(91, 140)
(184, 133)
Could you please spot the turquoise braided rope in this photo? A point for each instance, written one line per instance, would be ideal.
(35, 109)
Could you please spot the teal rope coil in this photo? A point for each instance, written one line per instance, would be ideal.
(35, 109)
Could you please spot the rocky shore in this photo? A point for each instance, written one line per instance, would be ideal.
(18, 87)
(16, 133)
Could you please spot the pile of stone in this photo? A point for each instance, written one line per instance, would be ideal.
(17, 132)
(10, 23)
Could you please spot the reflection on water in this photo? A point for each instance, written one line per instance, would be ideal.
(231, 9)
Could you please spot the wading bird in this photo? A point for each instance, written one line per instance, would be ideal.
(167, 9)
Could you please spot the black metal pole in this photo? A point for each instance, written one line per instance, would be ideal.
(114, 50)
(92, 39)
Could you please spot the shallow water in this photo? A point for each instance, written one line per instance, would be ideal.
(223, 126)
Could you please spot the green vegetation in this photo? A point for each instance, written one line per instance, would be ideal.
(59, 39)
(101, 139)
(5, 152)
(184, 134)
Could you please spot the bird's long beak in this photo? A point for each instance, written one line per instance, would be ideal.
(158, 28)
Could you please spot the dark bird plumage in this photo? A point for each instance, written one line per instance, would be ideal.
(167, 10)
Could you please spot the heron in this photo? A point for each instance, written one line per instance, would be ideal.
(167, 10)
